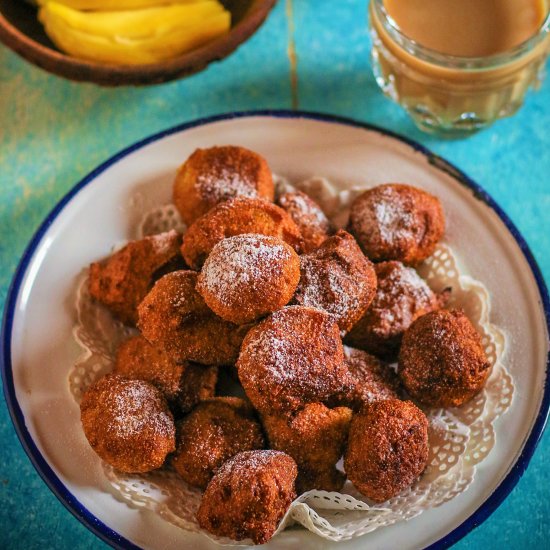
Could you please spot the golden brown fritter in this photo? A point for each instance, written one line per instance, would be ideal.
(397, 222)
(337, 278)
(128, 423)
(236, 217)
(314, 437)
(121, 281)
(248, 276)
(387, 448)
(211, 434)
(182, 384)
(401, 297)
(213, 175)
(442, 362)
(249, 496)
(374, 380)
(174, 317)
(308, 216)
(292, 358)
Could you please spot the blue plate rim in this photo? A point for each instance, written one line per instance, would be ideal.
(118, 541)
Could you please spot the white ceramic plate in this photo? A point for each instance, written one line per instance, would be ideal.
(38, 348)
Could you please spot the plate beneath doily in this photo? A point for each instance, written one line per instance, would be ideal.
(106, 209)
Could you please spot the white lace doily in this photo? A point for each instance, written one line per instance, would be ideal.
(459, 438)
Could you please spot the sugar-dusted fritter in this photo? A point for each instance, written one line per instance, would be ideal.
(249, 495)
(442, 362)
(214, 431)
(308, 216)
(174, 317)
(337, 278)
(397, 222)
(292, 358)
(182, 384)
(121, 281)
(374, 380)
(236, 217)
(248, 276)
(387, 448)
(217, 174)
(128, 423)
(401, 297)
(314, 437)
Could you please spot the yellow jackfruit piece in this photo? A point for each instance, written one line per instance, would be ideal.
(116, 5)
(118, 49)
(142, 23)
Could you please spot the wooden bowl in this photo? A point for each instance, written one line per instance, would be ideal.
(21, 31)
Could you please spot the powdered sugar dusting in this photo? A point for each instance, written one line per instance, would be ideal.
(164, 243)
(223, 184)
(247, 462)
(329, 289)
(384, 215)
(136, 407)
(243, 262)
(401, 294)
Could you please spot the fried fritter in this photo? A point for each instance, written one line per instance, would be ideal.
(182, 384)
(387, 448)
(397, 222)
(249, 495)
(198, 384)
(314, 437)
(337, 278)
(374, 380)
(174, 317)
(248, 276)
(314, 226)
(211, 434)
(121, 281)
(442, 362)
(401, 297)
(128, 423)
(236, 217)
(292, 358)
(213, 175)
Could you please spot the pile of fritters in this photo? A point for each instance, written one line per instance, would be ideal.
(271, 291)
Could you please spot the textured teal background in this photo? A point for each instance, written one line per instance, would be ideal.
(53, 132)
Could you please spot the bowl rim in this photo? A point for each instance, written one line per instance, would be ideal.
(72, 68)
(115, 539)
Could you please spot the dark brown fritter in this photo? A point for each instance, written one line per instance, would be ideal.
(387, 448)
(198, 383)
(128, 423)
(212, 433)
(174, 317)
(314, 226)
(442, 362)
(314, 437)
(249, 496)
(248, 276)
(374, 380)
(182, 384)
(121, 281)
(397, 222)
(137, 359)
(210, 176)
(401, 297)
(292, 358)
(337, 278)
(236, 217)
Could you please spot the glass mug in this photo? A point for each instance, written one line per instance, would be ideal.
(449, 94)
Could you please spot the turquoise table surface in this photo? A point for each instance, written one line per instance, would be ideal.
(53, 132)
